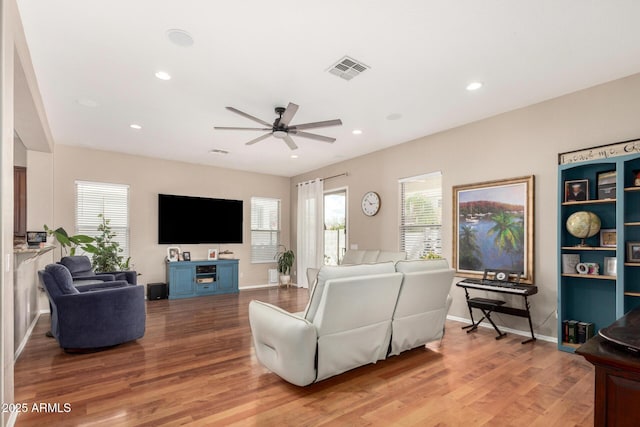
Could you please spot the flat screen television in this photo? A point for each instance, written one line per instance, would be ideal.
(191, 220)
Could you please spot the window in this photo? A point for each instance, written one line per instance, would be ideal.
(110, 200)
(421, 215)
(265, 229)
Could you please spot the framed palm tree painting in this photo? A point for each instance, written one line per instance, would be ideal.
(493, 227)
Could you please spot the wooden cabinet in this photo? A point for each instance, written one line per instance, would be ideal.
(617, 383)
(602, 298)
(188, 279)
(19, 201)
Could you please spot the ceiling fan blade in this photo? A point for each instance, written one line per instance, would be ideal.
(236, 128)
(258, 139)
(323, 124)
(288, 114)
(249, 116)
(314, 136)
(290, 142)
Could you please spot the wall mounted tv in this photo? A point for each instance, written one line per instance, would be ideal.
(183, 219)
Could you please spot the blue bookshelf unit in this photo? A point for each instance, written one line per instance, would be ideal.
(603, 298)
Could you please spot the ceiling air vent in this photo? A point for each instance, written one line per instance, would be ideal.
(348, 68)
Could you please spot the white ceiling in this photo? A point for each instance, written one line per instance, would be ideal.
(255, 55)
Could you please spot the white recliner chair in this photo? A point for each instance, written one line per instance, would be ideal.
(422, 305)
(346, 324)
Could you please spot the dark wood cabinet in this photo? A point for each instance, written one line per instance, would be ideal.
(617, 383)
(19, 201)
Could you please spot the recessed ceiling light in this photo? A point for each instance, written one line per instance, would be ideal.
(163, 75)
(218, 152)
(135, 126)
(86, 102)
(474, 86)
(294, 156)
(180, 37)
(356, 132)
(394, 116)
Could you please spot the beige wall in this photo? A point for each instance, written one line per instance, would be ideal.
(147, 177)
(517, 143)
(19, 153)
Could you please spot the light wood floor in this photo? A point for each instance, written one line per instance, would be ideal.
(196, 366)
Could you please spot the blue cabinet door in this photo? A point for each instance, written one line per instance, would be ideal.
(228, 277)
(181, 281)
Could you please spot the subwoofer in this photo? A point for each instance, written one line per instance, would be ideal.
(157, 291)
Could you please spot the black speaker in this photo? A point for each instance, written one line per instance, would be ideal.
(157, 291)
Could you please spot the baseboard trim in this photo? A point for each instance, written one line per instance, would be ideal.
(505, 329)
(268, 285)
(27, 335)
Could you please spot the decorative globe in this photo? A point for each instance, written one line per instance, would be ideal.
(583, 225)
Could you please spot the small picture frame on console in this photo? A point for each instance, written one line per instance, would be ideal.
(186, 256)
(173, 253)
(212, 255)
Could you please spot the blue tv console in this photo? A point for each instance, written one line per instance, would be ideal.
(188, 279)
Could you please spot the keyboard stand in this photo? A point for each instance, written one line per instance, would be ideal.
(488, 306)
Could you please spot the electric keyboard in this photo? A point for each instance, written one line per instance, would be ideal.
(499, 286)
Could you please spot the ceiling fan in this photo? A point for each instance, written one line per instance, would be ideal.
(281, 129)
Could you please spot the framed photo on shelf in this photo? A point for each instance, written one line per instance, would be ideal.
(610, 264)
(499, 214)
(607, 185)
(186, 256)
(633, 252)
(173, 253)
(212, 255)
(608, 238)
(576, 190)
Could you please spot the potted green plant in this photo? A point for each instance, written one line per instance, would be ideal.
(285, 259)
(69, 244)
(106, 251)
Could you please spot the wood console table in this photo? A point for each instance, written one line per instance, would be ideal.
(617, 383)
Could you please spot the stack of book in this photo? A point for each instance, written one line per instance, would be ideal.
(575, 332)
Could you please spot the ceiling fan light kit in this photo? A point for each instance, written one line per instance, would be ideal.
(281, 129)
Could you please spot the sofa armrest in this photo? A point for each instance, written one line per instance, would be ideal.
(105, 277)
(285, 344)
(129, 276)
(101, 286)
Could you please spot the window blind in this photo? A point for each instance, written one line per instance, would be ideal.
(110, 200)
(265, 229)
(421, 215)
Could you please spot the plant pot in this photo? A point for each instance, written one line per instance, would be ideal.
(285, 280)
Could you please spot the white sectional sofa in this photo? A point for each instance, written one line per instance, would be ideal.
(356, 315)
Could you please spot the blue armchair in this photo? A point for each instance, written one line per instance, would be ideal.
(93, 316)
(83, 274)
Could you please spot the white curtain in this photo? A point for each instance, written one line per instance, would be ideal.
(310, 228)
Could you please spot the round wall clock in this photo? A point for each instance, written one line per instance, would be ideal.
(370, 203)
